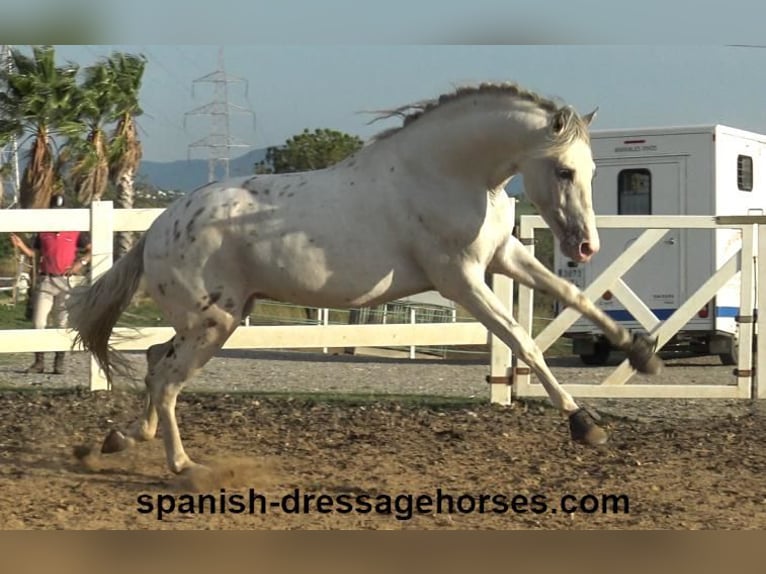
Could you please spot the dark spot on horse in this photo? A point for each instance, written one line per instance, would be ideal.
(182, 338)
(302, 183)
(290, 194)
(253, 191)
(188, 203)
(212, 299)
(176, 233)
(210, 323)
(393, 169)
(281, 193)
(161, 289)
(312, 240)
(250, 204)
(266, 191)
(420, 218)
(171, 352)
(351, 184)
(190, 225)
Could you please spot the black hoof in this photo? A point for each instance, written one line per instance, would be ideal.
(642, 356)
(114, 442)
(584, 430)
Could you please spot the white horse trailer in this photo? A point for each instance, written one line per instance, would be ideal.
(706, 170)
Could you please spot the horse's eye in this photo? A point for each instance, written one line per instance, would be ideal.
(565, 173)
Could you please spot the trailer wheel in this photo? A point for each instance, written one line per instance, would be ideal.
(730, 357)
(600, 355)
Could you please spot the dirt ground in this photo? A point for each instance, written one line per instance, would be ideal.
(699, 470)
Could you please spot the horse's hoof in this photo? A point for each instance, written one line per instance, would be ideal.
(584, 429)
(642, 356)
(114, 442)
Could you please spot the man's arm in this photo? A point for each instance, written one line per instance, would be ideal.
(18, 242)
(82, 261)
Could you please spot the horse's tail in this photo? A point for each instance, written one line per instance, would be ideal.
(94, 310)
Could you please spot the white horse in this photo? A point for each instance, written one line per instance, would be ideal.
(420, 207)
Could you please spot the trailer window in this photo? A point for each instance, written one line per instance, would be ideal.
(634, 192)
(744, 173)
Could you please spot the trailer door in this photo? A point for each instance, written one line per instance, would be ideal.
(641, 187)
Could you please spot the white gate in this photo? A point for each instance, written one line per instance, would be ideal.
(745, 261)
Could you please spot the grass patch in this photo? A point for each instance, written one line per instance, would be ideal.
(13, 316)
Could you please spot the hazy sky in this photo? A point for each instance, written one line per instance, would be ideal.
(290, 87)
(315, 64)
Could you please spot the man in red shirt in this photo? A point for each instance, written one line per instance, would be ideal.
(59, 261)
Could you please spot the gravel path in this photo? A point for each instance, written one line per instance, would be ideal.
(275, 371)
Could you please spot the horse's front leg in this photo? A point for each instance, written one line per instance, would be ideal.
(516, 262)
(469, 290)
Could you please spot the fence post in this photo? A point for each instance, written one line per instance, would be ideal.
(323, 315)
(102, 248)
(746, 307)
(500, 354)
(759, 381)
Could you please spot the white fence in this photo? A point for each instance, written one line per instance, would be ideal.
(103, 221)
(505, 379)
(749, 261)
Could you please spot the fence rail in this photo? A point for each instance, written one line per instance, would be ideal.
(103, 221)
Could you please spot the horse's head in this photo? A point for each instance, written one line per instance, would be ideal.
(558, 182)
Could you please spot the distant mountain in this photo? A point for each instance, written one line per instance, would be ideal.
(186, 175)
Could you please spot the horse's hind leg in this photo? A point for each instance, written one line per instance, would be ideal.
(189, 351)
(143, 428)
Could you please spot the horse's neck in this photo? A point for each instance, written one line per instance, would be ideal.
(473, 146)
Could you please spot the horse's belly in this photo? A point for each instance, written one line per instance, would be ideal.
(314, 276)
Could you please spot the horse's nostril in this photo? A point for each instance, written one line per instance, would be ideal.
(586, 249)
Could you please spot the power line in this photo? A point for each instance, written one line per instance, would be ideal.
(219, 141)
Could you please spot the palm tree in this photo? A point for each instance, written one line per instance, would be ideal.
(88, 158)
(36, 102)
(125, 148)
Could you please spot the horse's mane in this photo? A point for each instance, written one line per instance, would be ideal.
(573, 125)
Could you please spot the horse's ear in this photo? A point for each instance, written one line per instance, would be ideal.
(588, 119)
(558, 121)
